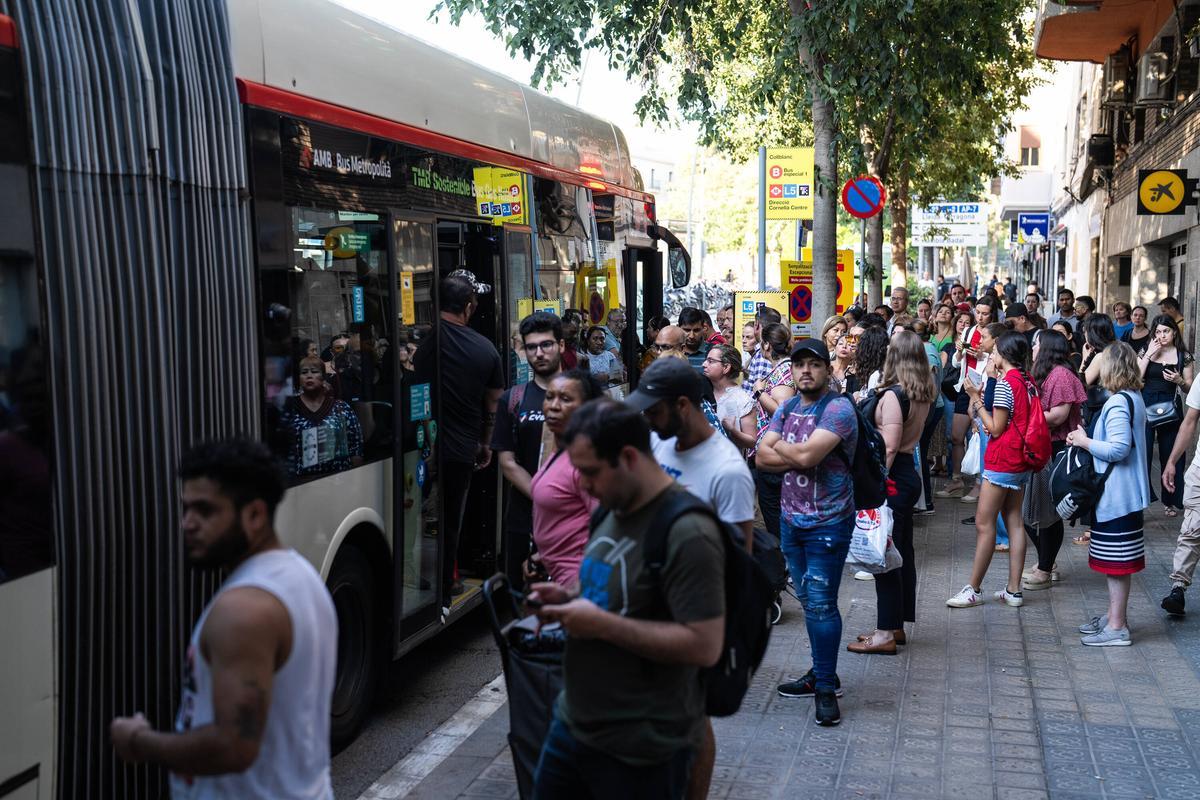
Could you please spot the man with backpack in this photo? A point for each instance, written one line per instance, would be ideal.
(813, 439)
(706, 464)
(518, 439)
(647, 614)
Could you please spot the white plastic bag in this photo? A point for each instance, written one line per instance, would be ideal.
(871, 547)
(970, 462)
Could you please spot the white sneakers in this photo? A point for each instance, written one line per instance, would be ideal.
(863, 575)
(966, 597)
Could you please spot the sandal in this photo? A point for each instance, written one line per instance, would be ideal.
(1002, 548)
(1172, 512)
(1083, 538)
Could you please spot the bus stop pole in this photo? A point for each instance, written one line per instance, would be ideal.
(762, 219)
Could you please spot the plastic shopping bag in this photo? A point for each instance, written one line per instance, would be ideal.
(871, 547)
(971, 458)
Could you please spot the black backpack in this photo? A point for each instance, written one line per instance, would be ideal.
(748, 603)
(1075, 485)
(868, 467)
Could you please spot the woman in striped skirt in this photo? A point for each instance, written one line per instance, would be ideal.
(1117, 549)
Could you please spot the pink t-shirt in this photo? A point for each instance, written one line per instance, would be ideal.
(561, 513)
(1062, 386)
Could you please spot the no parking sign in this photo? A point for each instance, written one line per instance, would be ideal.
(795, 278)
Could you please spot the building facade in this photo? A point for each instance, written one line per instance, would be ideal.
(1136, 107)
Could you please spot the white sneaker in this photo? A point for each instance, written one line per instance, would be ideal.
(1108, 637)
(1016, 600)
(863, 575)
(966, 597)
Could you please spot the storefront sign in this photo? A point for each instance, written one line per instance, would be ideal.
(1165, 192)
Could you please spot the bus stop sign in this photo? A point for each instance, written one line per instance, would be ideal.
(864, 196)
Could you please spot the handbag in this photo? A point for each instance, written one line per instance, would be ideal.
(1163, 413)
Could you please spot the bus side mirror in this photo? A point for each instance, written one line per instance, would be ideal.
(680, 265)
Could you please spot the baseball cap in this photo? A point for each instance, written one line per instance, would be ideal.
(814, 347)
(666, 378)
(1015, 310)
(476, 284)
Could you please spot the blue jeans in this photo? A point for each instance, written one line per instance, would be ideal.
(570, 769)
(815, 557)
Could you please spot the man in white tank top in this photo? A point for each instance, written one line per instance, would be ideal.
(258, 677)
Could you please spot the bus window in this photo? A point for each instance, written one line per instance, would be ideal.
(327, 366)
(25, 507)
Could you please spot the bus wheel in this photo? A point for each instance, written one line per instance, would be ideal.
(352, 585)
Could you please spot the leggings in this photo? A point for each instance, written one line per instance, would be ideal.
(1048, 540)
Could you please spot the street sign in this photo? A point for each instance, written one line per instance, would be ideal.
(1033, 228)
(746, 305)
(789, 187)
(795, 278)
(949, 225)
(1165, 192)
(864, 196)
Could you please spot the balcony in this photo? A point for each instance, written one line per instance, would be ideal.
(1030, 191)
(1090, 30)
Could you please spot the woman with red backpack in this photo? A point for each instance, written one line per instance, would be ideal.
(1019, 442)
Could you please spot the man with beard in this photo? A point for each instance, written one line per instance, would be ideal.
(518, 441)
(725, 323)
(260, 666)
(812, 439)
(707, 465)
(691, 320)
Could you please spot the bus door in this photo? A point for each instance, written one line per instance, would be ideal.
(643, 274)
(416, 543)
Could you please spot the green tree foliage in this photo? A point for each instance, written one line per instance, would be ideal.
(928, 84)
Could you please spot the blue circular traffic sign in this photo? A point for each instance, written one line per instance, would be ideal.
(800, 303)
(863, 196)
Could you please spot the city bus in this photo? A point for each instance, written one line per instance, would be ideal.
(195, 199)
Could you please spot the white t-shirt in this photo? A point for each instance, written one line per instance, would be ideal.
(1193, 395)
(734, 403)
(714, 471)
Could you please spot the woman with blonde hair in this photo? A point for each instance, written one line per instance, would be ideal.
(902, 402)
(1117, 549)
(832, 330)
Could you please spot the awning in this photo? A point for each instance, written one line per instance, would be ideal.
(1092, 31)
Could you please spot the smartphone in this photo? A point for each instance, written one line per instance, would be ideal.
(522, 597)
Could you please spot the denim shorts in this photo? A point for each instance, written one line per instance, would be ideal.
(1007, 480)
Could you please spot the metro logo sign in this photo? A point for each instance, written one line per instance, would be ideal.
(776, 190)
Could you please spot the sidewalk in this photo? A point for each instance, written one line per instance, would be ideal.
(988, 702)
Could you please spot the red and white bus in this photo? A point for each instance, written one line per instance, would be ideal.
(269, 176)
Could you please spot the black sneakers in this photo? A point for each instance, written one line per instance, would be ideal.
(1173, 603)
(806, 686)
(827, 709)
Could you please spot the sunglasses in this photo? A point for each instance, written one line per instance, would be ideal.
(851, 338)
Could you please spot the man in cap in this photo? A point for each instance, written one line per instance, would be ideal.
(811, 439)
(706, 464)
(1018, 316)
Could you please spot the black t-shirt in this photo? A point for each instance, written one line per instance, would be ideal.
(470, 366)
(522, 437)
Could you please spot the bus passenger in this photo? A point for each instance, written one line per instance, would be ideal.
(603, 365)
(323, 433)
(519, 441)
(615, 331)
(691, 320)
(259, 672)
(561, 507)
(468, 393)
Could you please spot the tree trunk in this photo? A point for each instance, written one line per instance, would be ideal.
(824, 237)
(875, 260)
(899, 207)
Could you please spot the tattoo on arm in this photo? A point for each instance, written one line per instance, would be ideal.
(251, 711)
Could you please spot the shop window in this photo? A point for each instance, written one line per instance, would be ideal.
(328, 371)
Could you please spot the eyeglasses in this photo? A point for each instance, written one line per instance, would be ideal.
(713, 361)
(851, 338)
(545, 346)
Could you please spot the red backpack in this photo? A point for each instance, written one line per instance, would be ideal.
(1035, 439)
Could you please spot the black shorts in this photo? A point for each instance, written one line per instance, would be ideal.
(962, 403)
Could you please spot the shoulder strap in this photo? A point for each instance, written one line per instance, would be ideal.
(902, 397)
(1112, 464)
(598, 516)
(676, 505)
